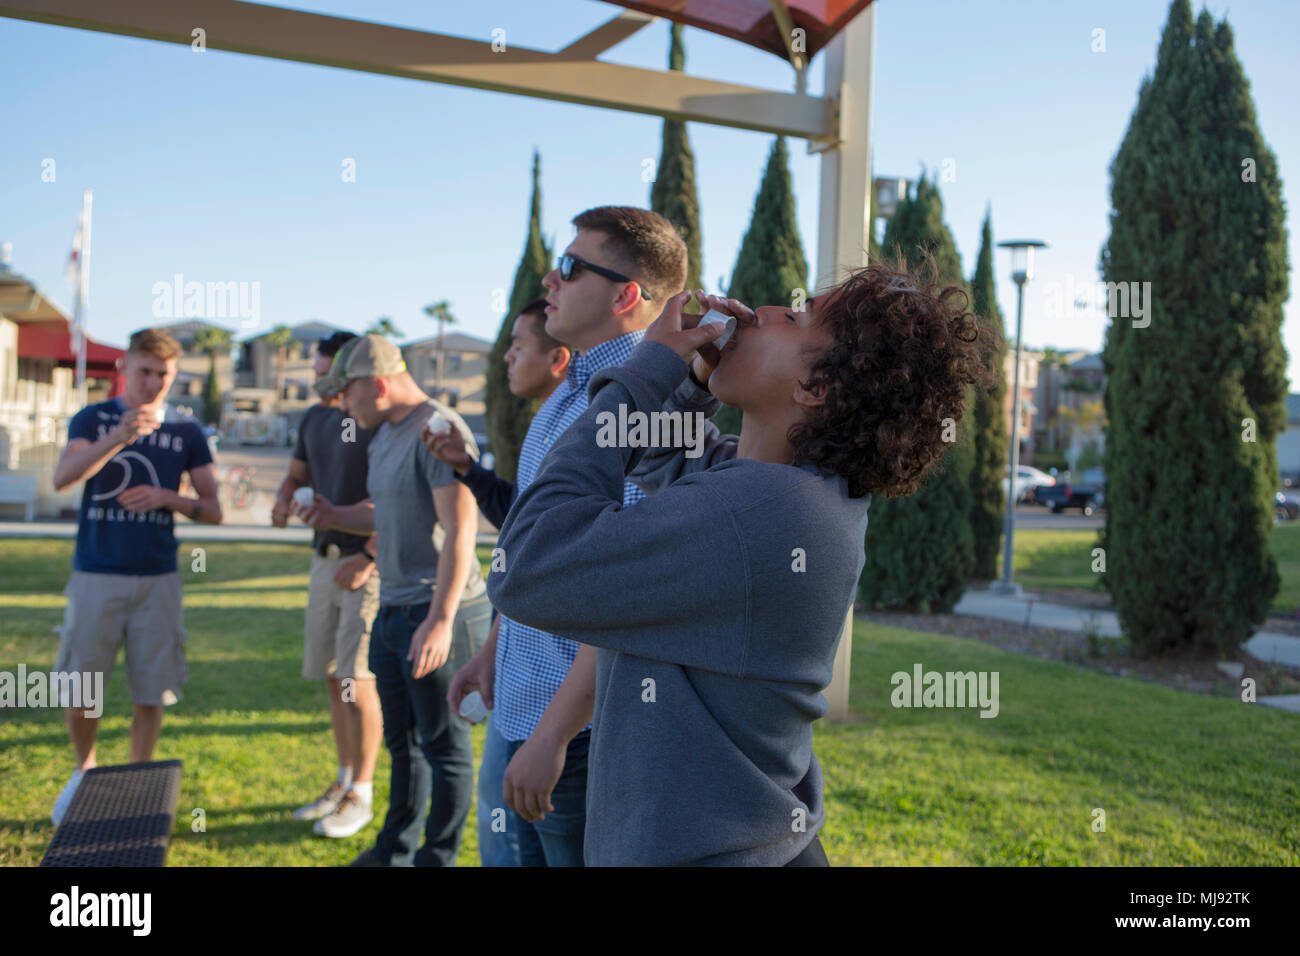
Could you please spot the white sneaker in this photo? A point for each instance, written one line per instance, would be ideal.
(65, 798)
(323, 805)
(349, 817)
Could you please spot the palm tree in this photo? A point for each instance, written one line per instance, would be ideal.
(214, 341)
(384, 326)
(441, 311)
(278, 339)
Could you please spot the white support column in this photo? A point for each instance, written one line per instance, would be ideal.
(845, 218)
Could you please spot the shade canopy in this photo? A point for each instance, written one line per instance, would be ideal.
(52, 340)
(755, 21)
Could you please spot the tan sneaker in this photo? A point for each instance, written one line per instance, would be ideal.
(349, 817)
(323, 805)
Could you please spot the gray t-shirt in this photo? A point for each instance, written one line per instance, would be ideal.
(400, 480)
(336, 464)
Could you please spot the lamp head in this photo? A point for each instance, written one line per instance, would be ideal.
(1022, 258)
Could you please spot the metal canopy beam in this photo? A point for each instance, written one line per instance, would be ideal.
(844, 221)
(607, 35)
(275, 32)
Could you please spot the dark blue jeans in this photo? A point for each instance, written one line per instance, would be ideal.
(557, 840)
(432, 781)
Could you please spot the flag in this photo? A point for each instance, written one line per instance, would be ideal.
(78, 274)
(73, 272)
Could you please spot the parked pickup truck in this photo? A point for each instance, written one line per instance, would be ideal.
(1062, 495)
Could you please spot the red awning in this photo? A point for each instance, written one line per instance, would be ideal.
(752, 21)
(52, 340)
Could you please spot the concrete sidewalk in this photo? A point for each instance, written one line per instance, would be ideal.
(185, 531)
(1029, 609)
(1267, 646)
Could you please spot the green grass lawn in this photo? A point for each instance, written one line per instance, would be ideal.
(1183, 779)
(1063, 559)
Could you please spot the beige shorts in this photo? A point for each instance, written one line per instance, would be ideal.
(337, 636)
(145, 609)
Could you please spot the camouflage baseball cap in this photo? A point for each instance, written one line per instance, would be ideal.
(369, 356)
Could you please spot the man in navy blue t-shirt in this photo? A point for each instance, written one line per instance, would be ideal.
(131, 452)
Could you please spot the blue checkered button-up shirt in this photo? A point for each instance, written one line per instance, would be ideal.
(531, 664)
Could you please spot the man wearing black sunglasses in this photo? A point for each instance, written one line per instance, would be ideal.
(568, 262)
(600, 300)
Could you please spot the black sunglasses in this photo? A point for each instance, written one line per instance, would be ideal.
(568, 262)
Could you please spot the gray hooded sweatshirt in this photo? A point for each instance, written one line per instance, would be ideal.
(716, 605)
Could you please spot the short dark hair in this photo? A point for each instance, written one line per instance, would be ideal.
(330, 347)
(156, 342)
(537, 311)
(904, 353)
(641, 244)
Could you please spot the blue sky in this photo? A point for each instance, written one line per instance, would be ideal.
(224, 167)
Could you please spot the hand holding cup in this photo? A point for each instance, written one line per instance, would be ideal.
(446, 443)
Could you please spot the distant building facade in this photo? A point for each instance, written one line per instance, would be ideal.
(194, 365)
(464, 373)
(38, 394)
(259, 365)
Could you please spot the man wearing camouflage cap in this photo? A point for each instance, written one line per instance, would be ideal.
(433, 614)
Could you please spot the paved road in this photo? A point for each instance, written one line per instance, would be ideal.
(1032, 517)
(266, 468)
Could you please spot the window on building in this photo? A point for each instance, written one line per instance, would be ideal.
(37, 370)
(453, 361)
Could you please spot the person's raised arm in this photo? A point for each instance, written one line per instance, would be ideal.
(661, 465)
(579, 564)
(493, 495)
(83, 458)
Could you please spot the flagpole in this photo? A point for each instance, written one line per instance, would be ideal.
(82, 294)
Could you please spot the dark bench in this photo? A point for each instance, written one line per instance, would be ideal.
(120, 816)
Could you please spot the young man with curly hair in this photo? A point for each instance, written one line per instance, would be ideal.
(714, 640)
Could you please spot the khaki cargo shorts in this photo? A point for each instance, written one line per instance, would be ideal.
(143, 609)
(337, 633)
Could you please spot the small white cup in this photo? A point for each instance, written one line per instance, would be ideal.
(472, 707)
(437, 425)
(714, 316)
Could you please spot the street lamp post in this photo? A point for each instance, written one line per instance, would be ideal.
(1022, 270)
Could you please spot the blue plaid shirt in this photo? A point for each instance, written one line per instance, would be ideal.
(531, 664)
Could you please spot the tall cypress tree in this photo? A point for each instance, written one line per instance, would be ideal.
(771, 265)
(508, 416)
(920, 547)
(673, 194)
(988, 500)
(1196, 371)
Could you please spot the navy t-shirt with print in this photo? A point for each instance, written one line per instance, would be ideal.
(110, 539)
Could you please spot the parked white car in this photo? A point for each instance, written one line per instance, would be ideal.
(1027, 479)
